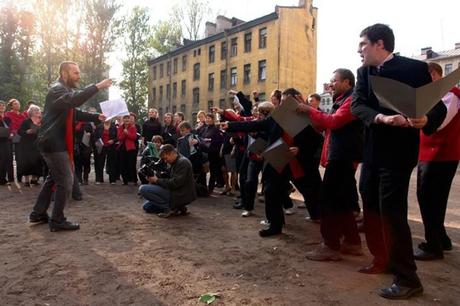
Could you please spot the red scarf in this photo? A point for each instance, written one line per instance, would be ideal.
(69, 135)
(296, 168)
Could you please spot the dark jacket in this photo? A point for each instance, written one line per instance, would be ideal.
(150, 128)
(384, 145)
(180, 183)
(59, 101)
(100, 129)
(169, 135)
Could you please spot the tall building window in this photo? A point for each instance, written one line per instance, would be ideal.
(247, 74)
(161, 71)
(161, 93)
(196, 96)
(199, 51)
(233, 77)
(447, 69)
(212, 53)
(175, 66)
(196, 71)
(184, 62)
(168, 91)
(183, 88)
(210, 105)
(223, 50)
(222, 104)
(182, 108)
(174, 90)
(168, 68)
(174, 109)
(262, 70)
(154, 94)
(234, 47)
(247, 42)
(263, 38)
(155, 72)
(211, 82)
(223, 79)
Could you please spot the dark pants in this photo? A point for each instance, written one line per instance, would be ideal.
(242, 178)
(434, 180)
(197, 164)
(106, 158)
(337, 204)
(83, 163)
(61, 176)
(251, 183)
(157, 198)
(388, 236)
(215, 172)
(128, 160)
(6, 162)
(309, 186)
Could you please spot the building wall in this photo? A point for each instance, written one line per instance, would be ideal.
(454, 61)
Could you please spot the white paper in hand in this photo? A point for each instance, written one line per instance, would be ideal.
(114, 108)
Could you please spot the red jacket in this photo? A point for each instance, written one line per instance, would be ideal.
(16, 120)
(129, 139)
(444, 145)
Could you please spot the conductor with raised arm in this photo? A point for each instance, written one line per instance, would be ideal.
(55, 142)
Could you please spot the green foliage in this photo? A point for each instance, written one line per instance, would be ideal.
(167, 35)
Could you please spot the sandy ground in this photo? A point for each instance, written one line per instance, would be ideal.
(122, 256)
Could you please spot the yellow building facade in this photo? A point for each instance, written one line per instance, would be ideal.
(276, 51)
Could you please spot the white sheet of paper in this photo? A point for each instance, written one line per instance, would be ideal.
(114, 108)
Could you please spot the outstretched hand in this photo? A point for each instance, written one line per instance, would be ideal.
(104, 84)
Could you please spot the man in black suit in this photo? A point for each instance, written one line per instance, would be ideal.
(390, 154)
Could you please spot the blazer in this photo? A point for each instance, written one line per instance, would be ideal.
(389, 146)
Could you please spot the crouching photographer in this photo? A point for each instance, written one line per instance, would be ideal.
(169, 195)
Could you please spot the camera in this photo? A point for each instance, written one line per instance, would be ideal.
(153, 166)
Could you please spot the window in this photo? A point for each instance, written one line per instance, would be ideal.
(194, 53)
(196, 71)
(262, 70)
(234, 47)
(223, 50)
(247, 42)
(199, 51)
(210, 105)
(196, 96)
(168, 68)
(154, 94)
(183, 88)
(175, 66)
(161, 93)
(233, 77)
(211, 82)
(263, 38)
(167, 109)
(155, 72)
(223, 79)
(182, 108)
(160, 111)
(174, 109)
(247, 74)
(212, 53)
(184, 62)
(447, 69)
(161, 70)
(222, 103)
(174, 90)
(168, 91)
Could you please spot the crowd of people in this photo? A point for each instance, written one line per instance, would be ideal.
(181, 159)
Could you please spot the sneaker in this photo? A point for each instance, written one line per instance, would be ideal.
(265, 222)
(165, 214)
(97, 183)
(38, 218)
(351, 249)
(289, 211)
(63, 226)
(324, 253)
(113, 183)
(246, 213)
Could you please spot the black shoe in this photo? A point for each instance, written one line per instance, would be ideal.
(398, 292)
(238, 206)
(38, 218)
(63, 226)
(447, 245)
(269, 232)
(77, 198)
(423, 255)
(374, 268)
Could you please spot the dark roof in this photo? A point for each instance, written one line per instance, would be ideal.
(440, 55)
(239, 28)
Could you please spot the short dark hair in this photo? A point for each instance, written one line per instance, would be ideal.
(133, 114)
(64, 66)
(378, 32)
(432, 66)
(291, 92)
(346, 74)
(277, 94)
(185, 125)
(166, 149)
(315, 96)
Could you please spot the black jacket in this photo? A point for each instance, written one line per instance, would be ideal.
(59, 100)
(150, 128)
(384, 145)
(100, 129)
(169, 135)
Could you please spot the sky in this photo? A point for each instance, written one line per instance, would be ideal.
(416, 24)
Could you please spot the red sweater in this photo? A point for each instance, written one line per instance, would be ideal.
(444, 145)
(16, 120)
(128, 139)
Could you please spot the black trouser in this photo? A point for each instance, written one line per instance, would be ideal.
(337, 204)
(128, 160)
(250, 185)
(6, 162)
(388, 236)
(197, 164)
(309, 186)
(107, 158)
(83, 163)
(434, 180)
(242, 177)
(215, 170)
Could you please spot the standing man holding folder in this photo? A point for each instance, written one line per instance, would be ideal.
(390, 154)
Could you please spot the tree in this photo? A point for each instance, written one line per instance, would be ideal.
(137, 35)
(191, 16)
(167, 35)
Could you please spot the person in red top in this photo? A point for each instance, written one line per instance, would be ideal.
(15, 116)
(438, 160)
(342, 149)
(127, 135)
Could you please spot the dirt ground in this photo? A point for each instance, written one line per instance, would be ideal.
(122, 256)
